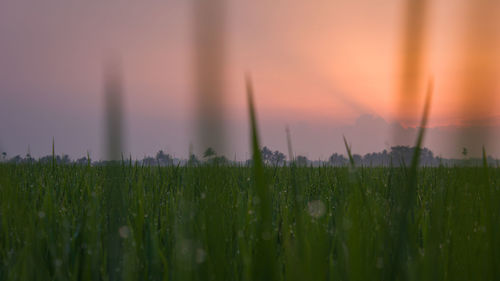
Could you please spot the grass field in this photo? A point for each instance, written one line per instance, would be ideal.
(123, 221)
(73, 222)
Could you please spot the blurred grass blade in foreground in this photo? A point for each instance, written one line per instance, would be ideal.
(412, 57)
(404, 245)
(479, 66)
(113, 94)
(210, 63)
(117, 228)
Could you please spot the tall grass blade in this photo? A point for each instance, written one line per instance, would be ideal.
(403, 248)
(264, 257)
(349, 154)
(291, 157)
(114, 184)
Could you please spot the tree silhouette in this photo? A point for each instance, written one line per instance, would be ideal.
(82, 161)
(16, 159)
(149, 161)
(267, 154)
(301, 160)
(337, 159)
(193, 160)
(209, 153)
(278, 158)
(163, 159)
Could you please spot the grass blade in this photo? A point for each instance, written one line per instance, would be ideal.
(263, 261)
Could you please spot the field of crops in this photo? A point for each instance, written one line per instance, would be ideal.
(209, 222)
(221, 221)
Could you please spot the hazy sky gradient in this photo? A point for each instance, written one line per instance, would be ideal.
(316, 65)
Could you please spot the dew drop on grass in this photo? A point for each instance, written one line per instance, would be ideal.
(41, 214)
(316, 208)
(124, 232)
(200, 255)
(421, 251)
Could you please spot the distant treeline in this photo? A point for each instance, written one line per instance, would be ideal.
(397, 156)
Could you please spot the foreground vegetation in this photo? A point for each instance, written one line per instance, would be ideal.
(209, 222)
(222, 221)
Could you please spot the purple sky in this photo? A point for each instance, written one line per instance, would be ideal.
(319, 68)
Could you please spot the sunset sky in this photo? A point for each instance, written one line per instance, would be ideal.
(316, 66)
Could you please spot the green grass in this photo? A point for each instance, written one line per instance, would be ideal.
(222, 221)
(57, 222)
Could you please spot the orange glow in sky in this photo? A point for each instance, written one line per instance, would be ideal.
(311, 61)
